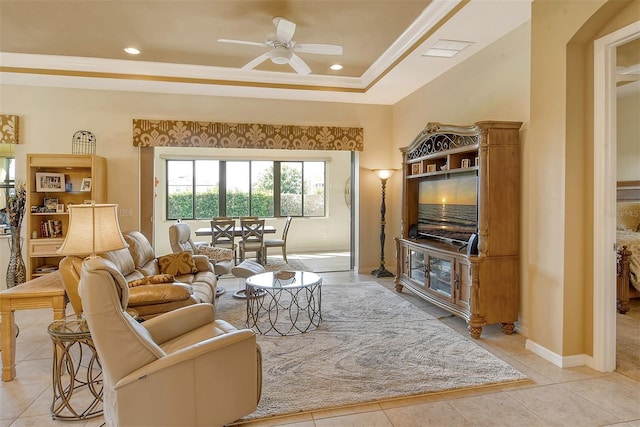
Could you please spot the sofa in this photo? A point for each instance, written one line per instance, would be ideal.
(156, 284)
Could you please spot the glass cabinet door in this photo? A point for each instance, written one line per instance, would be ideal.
(440, 274)
(417, 266)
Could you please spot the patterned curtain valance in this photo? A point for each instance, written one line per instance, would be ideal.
(180, 133)
(9, 129)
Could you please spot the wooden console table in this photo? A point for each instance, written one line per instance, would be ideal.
(41, 292)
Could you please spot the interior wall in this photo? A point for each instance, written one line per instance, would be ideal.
(491, 85)
(561, 209)
(50, 116)
(628, 127)
(553, 26)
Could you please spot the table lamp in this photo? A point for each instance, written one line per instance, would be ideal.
(93, 228)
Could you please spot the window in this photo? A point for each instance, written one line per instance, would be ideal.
(7, 184)
(201, 189)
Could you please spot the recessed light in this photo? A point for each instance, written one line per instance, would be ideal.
(131, 50)
(336, 67)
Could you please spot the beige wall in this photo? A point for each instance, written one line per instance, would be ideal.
(561, 169)
(50, 116)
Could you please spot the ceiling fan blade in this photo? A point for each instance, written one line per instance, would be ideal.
(284, 29)
(243, 42)
(256, 61)
(322, 49)
(299, 65)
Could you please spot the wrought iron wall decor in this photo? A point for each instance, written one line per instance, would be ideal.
(181, 133)
(9, 129)
(83, 142)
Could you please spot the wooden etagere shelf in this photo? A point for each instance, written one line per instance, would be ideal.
(54, 181)
(480, 285)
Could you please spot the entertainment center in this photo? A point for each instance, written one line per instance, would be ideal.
(460, 238)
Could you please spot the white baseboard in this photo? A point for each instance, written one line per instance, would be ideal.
(556, 359)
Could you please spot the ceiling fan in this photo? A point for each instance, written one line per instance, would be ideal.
(283, 48)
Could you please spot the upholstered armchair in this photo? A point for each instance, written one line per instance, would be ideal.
(181, 368)
(180, 240)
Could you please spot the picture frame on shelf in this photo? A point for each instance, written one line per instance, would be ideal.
(416, 169)
(86, 184)
(49, 182)
(50, 204)
(465, 163)
(431, 168)
(60, 208)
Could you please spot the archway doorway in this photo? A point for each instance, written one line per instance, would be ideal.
(604, 318)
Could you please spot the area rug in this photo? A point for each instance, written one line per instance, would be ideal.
(275, 264)
(372, 345)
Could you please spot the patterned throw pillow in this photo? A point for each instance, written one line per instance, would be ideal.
(161, 278)
(153, 280)
(178, 263)
(216, 254)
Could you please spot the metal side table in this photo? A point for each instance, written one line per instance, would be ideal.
(77, 374)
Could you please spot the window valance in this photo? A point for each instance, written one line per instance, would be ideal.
(181, 133)
(9, 129)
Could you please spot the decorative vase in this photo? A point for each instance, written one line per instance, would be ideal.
(16, 272)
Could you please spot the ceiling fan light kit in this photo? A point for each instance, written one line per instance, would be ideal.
(280, 55)
(282, 48)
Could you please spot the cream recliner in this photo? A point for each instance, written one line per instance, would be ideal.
(179, 368)
(180, 240)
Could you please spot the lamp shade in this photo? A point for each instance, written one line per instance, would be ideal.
(92, 229)
(384, 173)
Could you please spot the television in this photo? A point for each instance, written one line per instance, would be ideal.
(448, 207)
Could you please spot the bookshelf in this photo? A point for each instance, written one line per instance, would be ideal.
(54, 181)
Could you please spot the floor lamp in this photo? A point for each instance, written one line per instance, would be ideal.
(383, 174)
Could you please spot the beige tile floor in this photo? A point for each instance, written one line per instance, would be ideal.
(554, 397)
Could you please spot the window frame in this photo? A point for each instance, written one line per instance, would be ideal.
(223, 190)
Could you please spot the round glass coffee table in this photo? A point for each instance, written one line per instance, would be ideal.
(284, 307)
